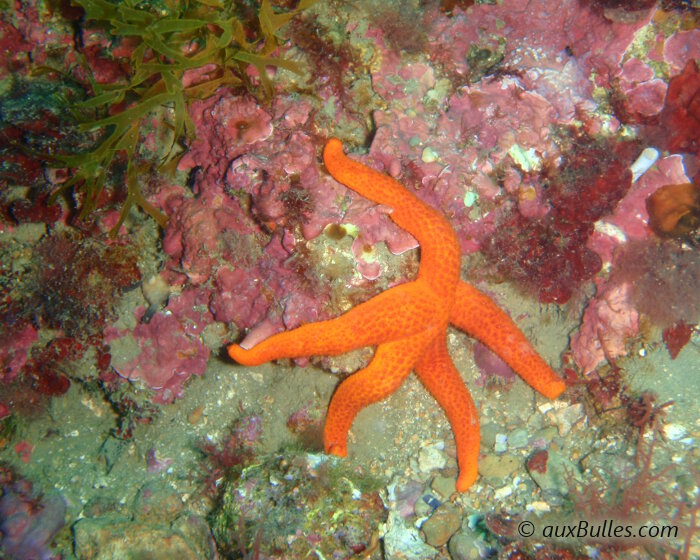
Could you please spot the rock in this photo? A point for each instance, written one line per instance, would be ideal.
(29, 232)
(405, 496)
(544, 436)
(467, 545)
(29, 520)
(426, 504)
(489, 431)
(518, 438)
(296, 499)
(431, 458)
(444, 485)
(497, 468)
(503, 492)
(566, 417)
(158, 500)
(403, 542)
(113, 536)
(442, 524)
(552, 472)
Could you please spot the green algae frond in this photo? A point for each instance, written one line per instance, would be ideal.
(172, 37)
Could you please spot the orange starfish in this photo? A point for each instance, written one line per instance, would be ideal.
(408, 325)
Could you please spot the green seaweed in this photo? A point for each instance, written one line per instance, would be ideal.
(173, 38)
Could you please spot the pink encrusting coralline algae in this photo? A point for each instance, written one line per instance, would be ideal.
(260, 193)
(489, 119)
(166, 350)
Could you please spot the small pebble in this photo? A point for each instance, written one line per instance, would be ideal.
(156, 290)
(430, 459)
(503, 492)
(196, 415)
(444, 485)
(501, 443)
(422, 507)
(526, 159)
(489, 432)
(539, 507)
(518, 438)
(566, 417)
(544, 408)
(545, 435)
(559, 473)
(470, 198)
(498, 468)
(29, 232)
(429, 155)
(674, 431)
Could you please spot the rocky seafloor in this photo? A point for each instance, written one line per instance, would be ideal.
(560, 140)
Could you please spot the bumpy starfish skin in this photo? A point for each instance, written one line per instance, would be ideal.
(408, 325)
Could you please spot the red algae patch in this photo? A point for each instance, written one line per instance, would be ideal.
(549, 255)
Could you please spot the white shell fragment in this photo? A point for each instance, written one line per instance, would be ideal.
(642, 164)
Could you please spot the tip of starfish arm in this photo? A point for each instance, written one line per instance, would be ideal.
(334, 144)
(337, 450)
(332, 151)
(465, 479)
(238, 353)
(233, 350)
(554, 389)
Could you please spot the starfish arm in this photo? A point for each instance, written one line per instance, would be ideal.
(391, 363)
(476, 314)
(440, 377)
(388, 316)
(378, 187)
(438, 242)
